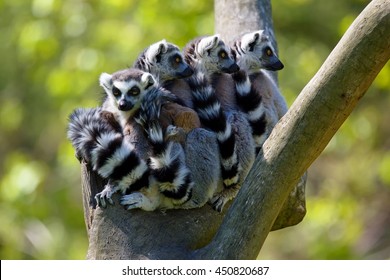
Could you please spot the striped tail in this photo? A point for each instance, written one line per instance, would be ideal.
(250, 102)
(85, 125)
(213, 117)
(167, 163)
(106, 150)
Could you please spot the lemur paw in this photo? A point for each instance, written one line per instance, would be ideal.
(104, 196)
(176, 134)
(172, 130)
(137, 200)
(132, 201)
(218, 201)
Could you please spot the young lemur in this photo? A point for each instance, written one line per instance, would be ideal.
(211, 60)
(256, 92)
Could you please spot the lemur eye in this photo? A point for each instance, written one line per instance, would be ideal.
(177, 59)
(223, 54)
(134, 91)
(268, 52)
(116, 92)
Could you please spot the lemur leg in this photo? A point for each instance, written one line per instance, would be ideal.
(149, 201)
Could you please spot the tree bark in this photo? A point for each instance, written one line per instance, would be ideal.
(303, 133)
(233, 18)
(295, 143)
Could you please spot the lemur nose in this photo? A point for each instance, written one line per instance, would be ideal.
(124, 106)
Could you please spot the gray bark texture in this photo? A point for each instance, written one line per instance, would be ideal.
(232, 18)
(297, 140)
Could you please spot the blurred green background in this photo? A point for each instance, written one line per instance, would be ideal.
(51, 55)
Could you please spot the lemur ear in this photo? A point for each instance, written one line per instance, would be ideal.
(206, 44)
(249, 40)
(105, 81)
(147, 80)
(154, 51)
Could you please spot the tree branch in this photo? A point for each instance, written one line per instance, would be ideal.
(303, 133)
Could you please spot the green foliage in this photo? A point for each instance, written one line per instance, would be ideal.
(52, 53)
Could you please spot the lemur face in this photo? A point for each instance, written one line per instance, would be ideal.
(125, 89)
(254, 51)
(165, 61)
(214, 55)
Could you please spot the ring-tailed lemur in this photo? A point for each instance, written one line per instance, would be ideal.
(211, 60)
(133, 95)
(254, 53)
(256, 92)
(167, 166)
(165, 61)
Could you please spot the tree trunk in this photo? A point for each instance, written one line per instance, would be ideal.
(294, 144)
(233, 18)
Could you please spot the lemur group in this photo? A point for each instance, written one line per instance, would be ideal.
(181, 129)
